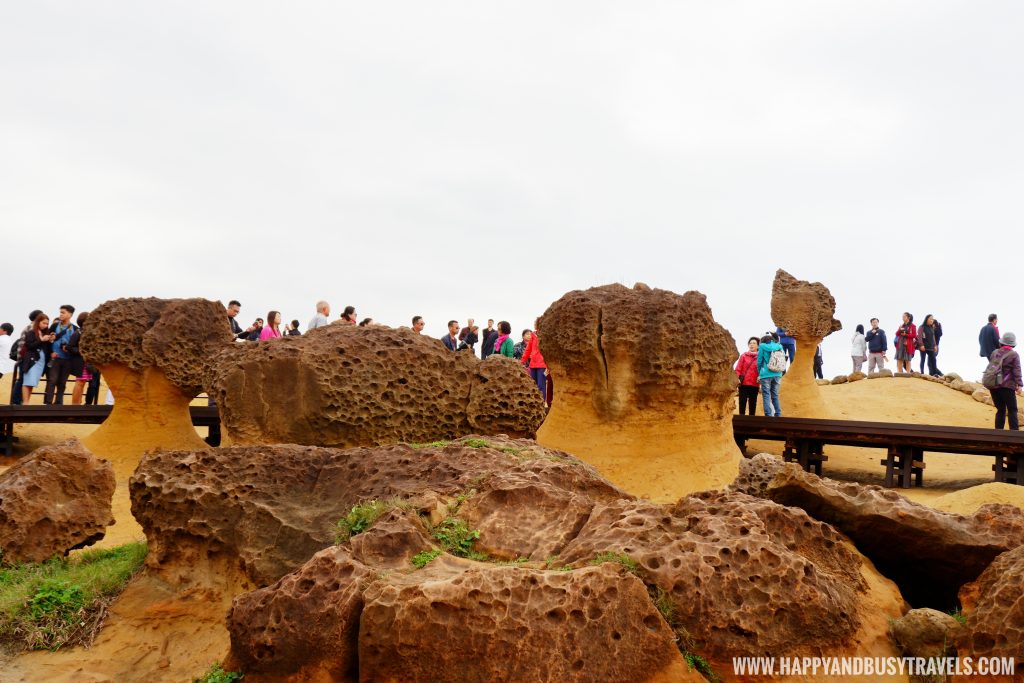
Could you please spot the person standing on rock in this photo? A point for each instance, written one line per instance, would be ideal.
(257, 330)
(906, 343)
(503, 345)
(322, 317)
(988, 338)
(878, 345)
(465, 332)
(490, 335)
(859, 349)
(1004, 395)
(60, 363)
(771, 364)
(818, 361)
(6, 340)
(520, 347)
(293, 329)
(928, 336)
(534, 361)
(418, 324)
(451, 340)
(37, 348)
(272, 330)
(750, 384)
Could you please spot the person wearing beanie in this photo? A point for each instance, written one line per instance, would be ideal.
(1004, 395)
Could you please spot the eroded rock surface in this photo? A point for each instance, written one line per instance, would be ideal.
(272, 507)
(52, 501)
(360, 386)
(645, 387)
(925, 633)
(154, 355)
(995, 610)
(928, 553)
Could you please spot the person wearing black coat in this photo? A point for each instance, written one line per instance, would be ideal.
(988, 338)
(38, 346)
(490, 335)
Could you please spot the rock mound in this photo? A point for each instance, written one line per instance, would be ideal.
(928, 553)
(925, 633)
(154, 354)
(636, 394)
(967, 501)
(54, 500)
(360, 386)
(804, 309)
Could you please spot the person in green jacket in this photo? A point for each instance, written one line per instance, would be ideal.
(504, 345)
(770, 378)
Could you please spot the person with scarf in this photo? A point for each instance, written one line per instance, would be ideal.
(906, 343)
(503, 345)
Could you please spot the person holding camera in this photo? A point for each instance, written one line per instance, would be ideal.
(60, 358)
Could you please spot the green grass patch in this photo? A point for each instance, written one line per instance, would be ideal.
(619, 558)
(457, 538)
(360, 518)
(959, 616)
(484, 443)
(422, 559)
(47, 605)
(430, 444)
(695, 661)
(217, 674)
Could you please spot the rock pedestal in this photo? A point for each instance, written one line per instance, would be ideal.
(644, 388)
(804, 310)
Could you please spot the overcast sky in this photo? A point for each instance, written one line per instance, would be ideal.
(477, 159)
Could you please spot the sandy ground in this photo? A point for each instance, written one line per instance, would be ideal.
(183, 633)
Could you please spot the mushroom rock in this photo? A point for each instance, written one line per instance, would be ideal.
(644, 388)
(804, 309)
(348, 386)
(153, 354)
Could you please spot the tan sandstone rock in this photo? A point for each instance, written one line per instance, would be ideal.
(52, 501)
(644, 386)
(928, 553)
(361, 386)
(856, 376)
(839, 379)
(925, 633)
(153, 354)
(995, 610)
(804, 310)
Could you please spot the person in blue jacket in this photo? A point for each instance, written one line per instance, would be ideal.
(770, 379)
(788, 343)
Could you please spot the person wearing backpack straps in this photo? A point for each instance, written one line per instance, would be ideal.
(771, 363)
(1002, 378)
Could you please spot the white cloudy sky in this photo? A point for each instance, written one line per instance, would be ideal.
(480, 159)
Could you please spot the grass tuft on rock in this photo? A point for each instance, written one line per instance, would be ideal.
(360, 518)
(217, 674)
(62, 602)
(422, 559)
(619, 558)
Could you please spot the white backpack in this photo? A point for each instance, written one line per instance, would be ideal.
(777, 361)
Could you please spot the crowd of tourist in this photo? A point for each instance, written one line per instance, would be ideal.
(761, 367)
(51, 350)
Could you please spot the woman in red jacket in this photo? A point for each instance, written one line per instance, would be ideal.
(906, 342)
(534, 361)
(746, 370)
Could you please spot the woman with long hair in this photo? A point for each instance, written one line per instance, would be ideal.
(348, 316)
(38, 343)
(81, 371)
(272, 329)
(906, 343)
(859, 350)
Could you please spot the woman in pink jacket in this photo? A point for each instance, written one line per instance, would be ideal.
(272, 329)
(534, 361)
(746, 370)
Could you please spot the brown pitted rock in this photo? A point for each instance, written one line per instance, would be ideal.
(645, 387)
(995, 611)
(512, 624)
(746, 576)
(879, 374)
(154, 354)
(928, 553)
(361, 386)
(307, 622)
(822, 382)
(270, 508)
(54, 500)
(856, 376)
(951, 377)
(804, 310)
(840, 379)
(338, 619)
(925, 633)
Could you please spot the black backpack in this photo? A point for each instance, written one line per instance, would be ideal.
(16, 349)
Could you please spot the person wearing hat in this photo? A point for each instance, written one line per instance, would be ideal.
(1005, 394)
